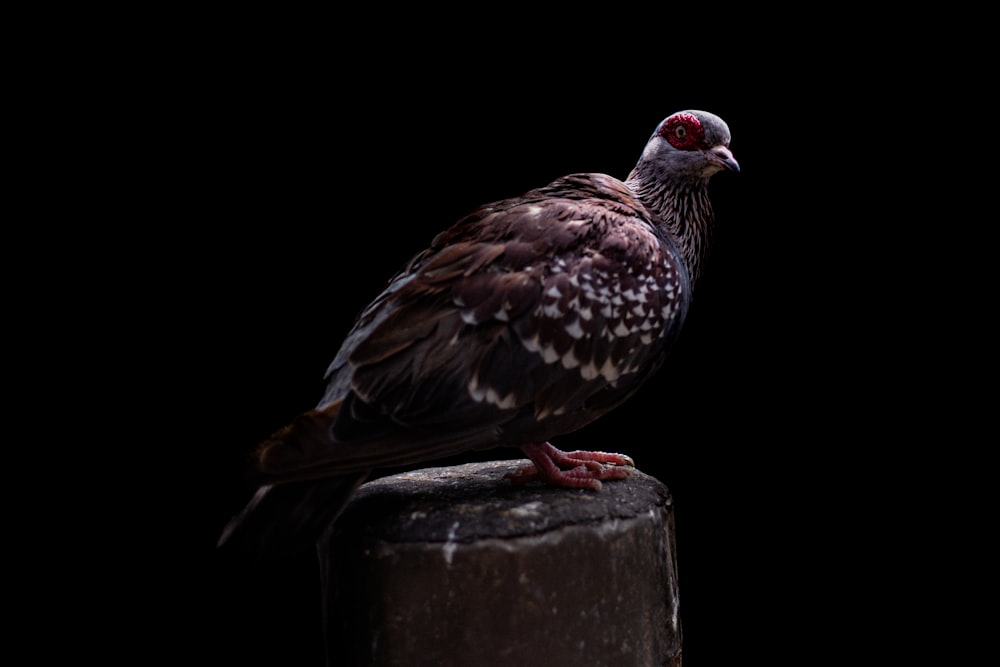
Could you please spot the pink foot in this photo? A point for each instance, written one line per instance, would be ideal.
(574, 470)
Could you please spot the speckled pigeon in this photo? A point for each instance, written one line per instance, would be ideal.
(529, 318)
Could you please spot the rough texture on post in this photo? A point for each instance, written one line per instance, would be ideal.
(456, 566)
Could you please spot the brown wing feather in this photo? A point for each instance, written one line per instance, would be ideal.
(486, 340)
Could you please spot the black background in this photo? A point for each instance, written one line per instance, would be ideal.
(292, 176)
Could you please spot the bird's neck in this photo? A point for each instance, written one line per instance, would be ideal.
(684, 213)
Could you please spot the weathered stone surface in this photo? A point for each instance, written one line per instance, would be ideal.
(456, 566)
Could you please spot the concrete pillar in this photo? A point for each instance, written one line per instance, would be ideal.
(456, 566)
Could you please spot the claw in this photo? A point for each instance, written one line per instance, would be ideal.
(576, 470)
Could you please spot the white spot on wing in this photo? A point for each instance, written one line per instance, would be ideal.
(531, 344)
(505, 403)
(477, 395)
(609, 371)
(490, 395)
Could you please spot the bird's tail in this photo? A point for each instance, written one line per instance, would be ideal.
(302, 450)
(300, 493)
(287, 517)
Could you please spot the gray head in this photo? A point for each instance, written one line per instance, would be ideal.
(689, 144)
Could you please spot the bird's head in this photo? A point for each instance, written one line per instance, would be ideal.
(690, 144)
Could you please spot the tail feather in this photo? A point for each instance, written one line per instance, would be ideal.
(307, 476)
(300, 450)
(299, 495)
(285, 518)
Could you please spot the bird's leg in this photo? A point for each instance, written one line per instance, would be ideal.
(574, 470)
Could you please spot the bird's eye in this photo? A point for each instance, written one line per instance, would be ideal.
(683, 131)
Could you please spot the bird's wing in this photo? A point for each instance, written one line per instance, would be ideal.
(529, 318)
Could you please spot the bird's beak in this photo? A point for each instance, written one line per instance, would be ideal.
(724, 156)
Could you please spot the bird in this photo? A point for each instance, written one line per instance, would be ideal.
(527, 319)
